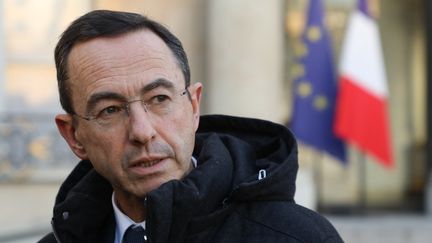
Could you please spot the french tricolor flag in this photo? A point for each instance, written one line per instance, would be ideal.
(362, 103)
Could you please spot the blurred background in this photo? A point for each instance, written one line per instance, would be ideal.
(248, 54)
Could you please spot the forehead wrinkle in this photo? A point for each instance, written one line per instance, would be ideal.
(96, 68)
(82, 60)
(119, 68)
(96, 55)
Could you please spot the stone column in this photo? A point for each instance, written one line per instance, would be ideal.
(2, 59)
(245, 59)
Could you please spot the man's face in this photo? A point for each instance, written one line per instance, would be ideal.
(145, 148)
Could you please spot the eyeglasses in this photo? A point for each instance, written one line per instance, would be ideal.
(114, 113)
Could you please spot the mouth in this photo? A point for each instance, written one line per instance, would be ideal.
(146, 164)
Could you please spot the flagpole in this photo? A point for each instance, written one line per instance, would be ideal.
(362, 187)
(319, 178)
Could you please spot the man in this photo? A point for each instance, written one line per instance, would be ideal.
(151, 167)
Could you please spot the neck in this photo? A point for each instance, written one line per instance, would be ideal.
(132, 206)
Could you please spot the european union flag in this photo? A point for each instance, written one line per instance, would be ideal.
(315, 87)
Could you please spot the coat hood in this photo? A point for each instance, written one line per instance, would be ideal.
(264, 155)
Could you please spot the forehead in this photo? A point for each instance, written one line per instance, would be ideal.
(127, 61)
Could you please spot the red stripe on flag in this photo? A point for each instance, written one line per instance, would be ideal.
(362, 119)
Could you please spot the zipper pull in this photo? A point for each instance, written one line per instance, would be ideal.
(262, 174)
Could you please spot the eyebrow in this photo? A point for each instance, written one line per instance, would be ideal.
(160, 82)
(108, 95)
(96, 97)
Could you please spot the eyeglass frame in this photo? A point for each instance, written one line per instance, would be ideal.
(125, 106)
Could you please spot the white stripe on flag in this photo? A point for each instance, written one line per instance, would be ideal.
(361, 58)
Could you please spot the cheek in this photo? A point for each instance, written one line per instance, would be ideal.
(102, 146)
(180, 133)
(105, 156)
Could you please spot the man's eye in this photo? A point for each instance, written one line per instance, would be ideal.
(110, 110)
(159, 99)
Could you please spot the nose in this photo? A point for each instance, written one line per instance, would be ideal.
(141, 128)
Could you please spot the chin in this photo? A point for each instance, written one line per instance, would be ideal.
(150, 186)
(153, 183)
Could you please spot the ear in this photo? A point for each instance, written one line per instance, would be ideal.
(196, 91)
(66, 128)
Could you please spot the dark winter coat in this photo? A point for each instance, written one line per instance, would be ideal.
(241, 191)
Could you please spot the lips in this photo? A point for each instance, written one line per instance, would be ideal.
(147, 163)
